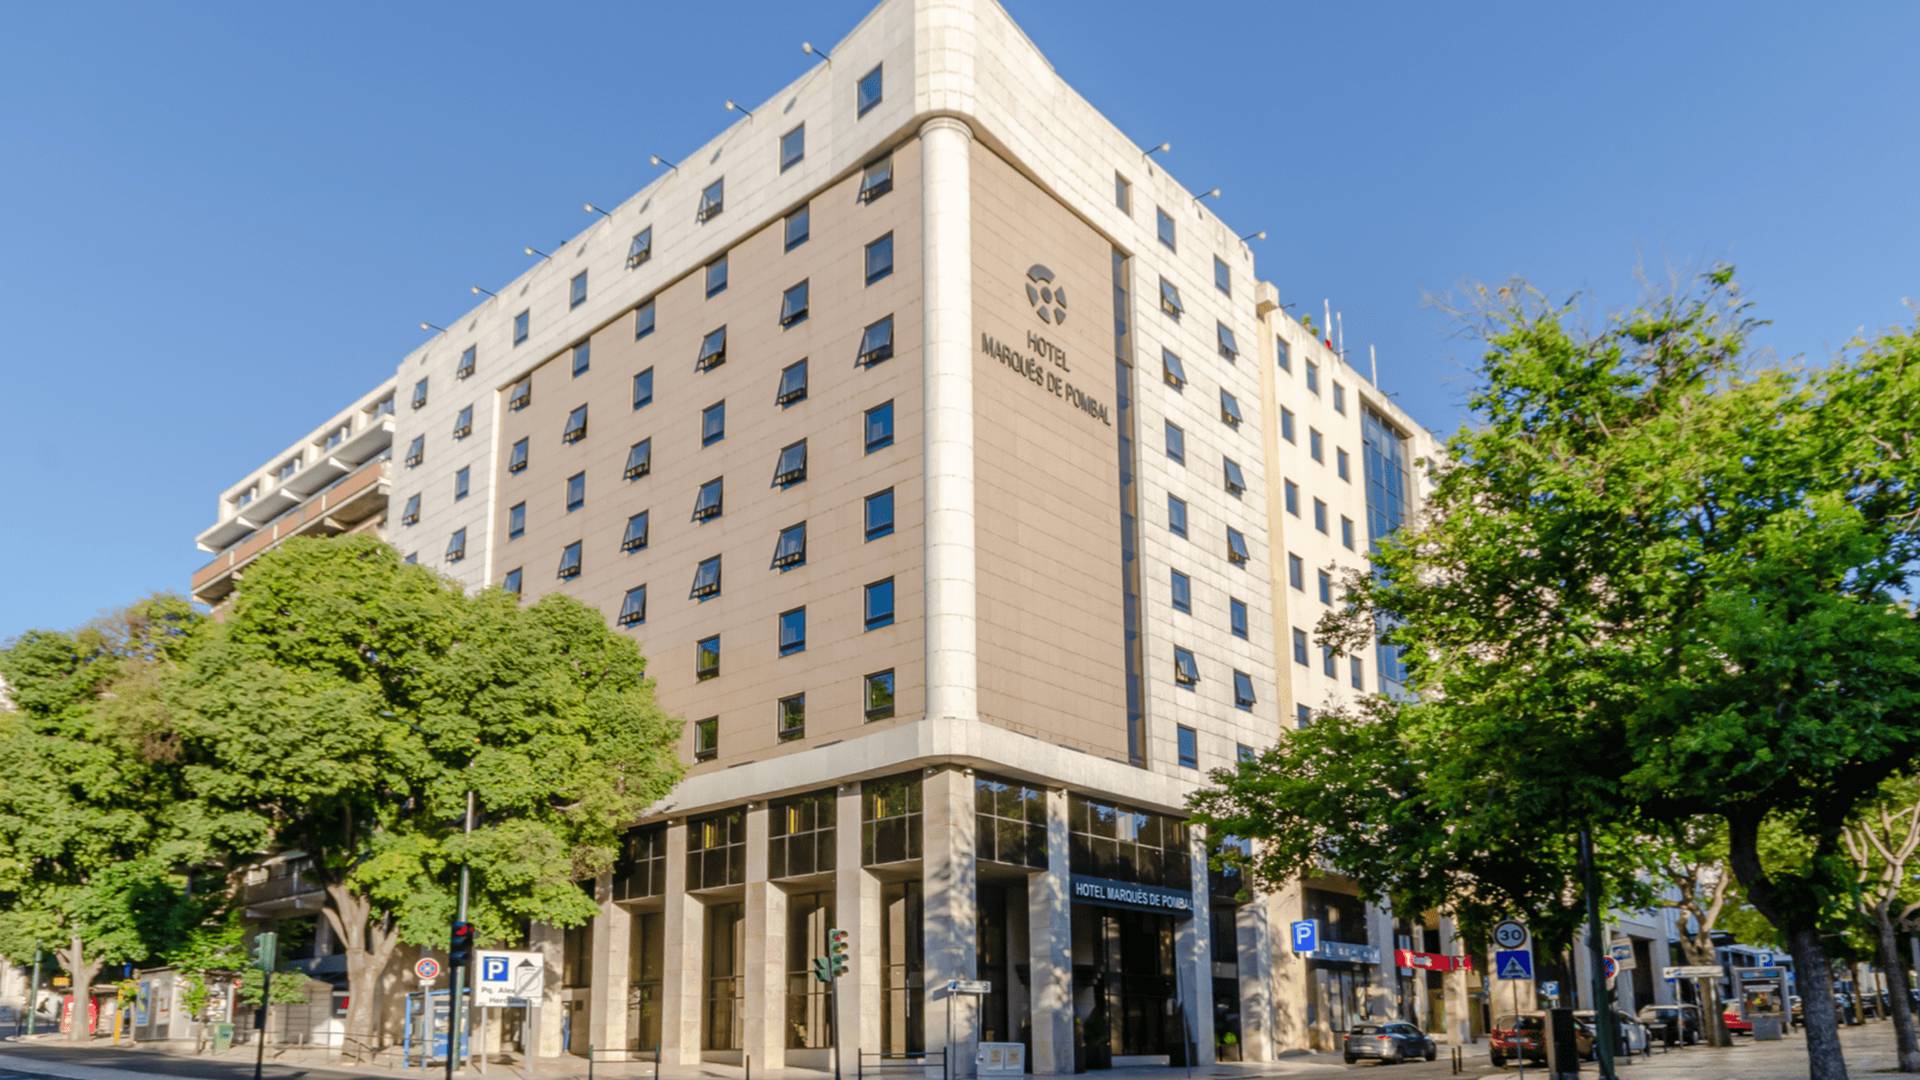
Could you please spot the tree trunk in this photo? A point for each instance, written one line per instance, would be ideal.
(1899, 1006)
(368, 947)
(1699, 951)
(1811, 973)
(82, 971)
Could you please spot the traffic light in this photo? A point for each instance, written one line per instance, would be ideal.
(266, 950)
(837, 952)
(822, 969)
(460, 950)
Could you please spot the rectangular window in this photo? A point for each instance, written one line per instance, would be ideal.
(716, 277)
(793, 305)
(877, 695)
(1296, 572)
(1291, 494)
(879, 604)
(879, 258)
(1313, 378)
(635, 538)
(1329, 662)
(576, 491)
(1222, 277)
(1010, 822)
(1243, 690)
(1123, 193)
(793, 631)
(793, 147)
(791, 467)
(1316, 446)
(1224, 340)
(709, 503)
(576, 428)
(790, 547)
(1186, 672)
(799, 227)
(457, 546)
(460, 483)
(1182, 592)
(643, 320)
(1320, 515)
(469, 359)
(1236, 481)
(868, 93)
(570, 560)
(717, 856)
(791, 719)
(521, 395)
(1176, 515)
(1356, 673)
(1112, 841)
(1326, 587)
(1170, 299)
(1236, 547)
(582, 358)
(890, 832)
(420, 394)
(706, 658)
(511, 582)
(643, 389)
(1229, 409)
(641, 247)
(639, 460)
(793, 384)
(410, 513)
(1339, 398)
(706, 747)
(1243, 753)
(879, 514)
(522, 326)
(1237, 618)
(1172, 370)
(1346, 532)
(706, 579)
(713, 199)
(879, 426)
(1300, 646)
(713, 423)
(1281, 354)
(877, 180)
(1302, 716)
(1163, 225)
(577, 290)
(463, 422)
(516, 520)
(1176, 443)
(1342, 465)
(713, 350)
(416, 451)
(876, 343)
(1286, 425)
(633, 609)
(517, 458)
(1189, 745)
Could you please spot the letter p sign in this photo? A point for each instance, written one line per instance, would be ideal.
(1306, 936)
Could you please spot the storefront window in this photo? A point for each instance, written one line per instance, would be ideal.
(646, 973)
(800, 835)
(903, 991)
(1010, 822)
(890, 820)
(726, 946)
(1128, 845)
(717, 850)
(1124, 988)
(641, 869)
(809, 1001)
(576, 955)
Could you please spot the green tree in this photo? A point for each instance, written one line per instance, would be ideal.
(347, 704)
(1652, 584)
(91, 840)
(1883, 842)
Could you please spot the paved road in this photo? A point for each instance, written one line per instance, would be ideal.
(40, 1060)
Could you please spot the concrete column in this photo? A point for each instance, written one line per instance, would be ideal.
(1292, 1024)
(548, 942)
(946, 146)
(1253, 935)
(766, 960)
(1459, 1022)
(1193, 957)
(1050, 948)
(1420, 1003)
(949, 919)
(612, 942)
(856, 906)
(684, 952)
(1380, 936)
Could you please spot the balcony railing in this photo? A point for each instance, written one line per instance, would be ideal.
(348, 501)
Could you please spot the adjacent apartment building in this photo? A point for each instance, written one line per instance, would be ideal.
(971, 497)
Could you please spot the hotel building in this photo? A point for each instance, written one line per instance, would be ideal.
(971, 498)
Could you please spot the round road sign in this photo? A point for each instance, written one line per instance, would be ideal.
(1511, 934)
(1609, 965)
(427, 968)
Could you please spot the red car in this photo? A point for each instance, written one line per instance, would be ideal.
(1520, 1038)
(1737, 1024)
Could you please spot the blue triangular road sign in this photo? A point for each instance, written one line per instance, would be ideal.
(1513, 964)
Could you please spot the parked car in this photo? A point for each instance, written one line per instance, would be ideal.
(1392, 1042)
(1737, 1024)
(1796, 1012)
(1633, 1037)
(1688, 1026)
(1518, 1037)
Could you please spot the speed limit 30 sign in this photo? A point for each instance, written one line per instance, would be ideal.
(1511, 934)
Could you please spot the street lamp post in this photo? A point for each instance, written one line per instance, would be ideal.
(33, 994)
(459, 970)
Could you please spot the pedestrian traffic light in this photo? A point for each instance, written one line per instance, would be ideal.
(266, 950)
(460, 951)
(837, 951)
(823, 969)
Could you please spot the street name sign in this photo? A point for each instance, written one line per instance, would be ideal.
(1692, 971)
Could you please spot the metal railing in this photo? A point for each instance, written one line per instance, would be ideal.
(878, 1063)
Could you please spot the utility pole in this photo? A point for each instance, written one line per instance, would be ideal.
(265, 956)
(33, 994)
(1596, 963)
(459, 954)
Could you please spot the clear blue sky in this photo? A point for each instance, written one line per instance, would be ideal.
(222, 221)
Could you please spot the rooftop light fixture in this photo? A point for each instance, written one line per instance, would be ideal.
(531, 250)
(1210, 193)
(477, 290)
(424, 325)
(1161, 149)
(656, 159)
(809, 48)
(1261, 235)
(734, 106)
(592, 209)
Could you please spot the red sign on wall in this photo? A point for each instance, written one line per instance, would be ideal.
(1427, 961)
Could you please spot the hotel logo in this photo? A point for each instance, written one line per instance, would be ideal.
(1049, 300)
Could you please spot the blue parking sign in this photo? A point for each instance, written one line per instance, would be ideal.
(1306, 935)
(493, 969)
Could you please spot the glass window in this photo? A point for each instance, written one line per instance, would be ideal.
(713, 199)
(1243, 690)
(1182, 592)
(1224, 340)
(1325, 582)
(876, 343)
(1123, 193)
(1243, 753)
(416, 451)
(1342, 465)
(713, 423)
(793, 631)
(706, 579)
(1229, 409)
(576, 491)
(890, 820)
(1009, 822)
(641, 248)
(1222, 277)
(793, 305)
(639, 459)
(793, 384)
(1313, 377)
(1290, 492)
(1186, 672)
(517, 459)
(1339, 398)
(1112, 841)
(1189, 745)
(1163, 225)
(643, 320)
(1302, 716)
(1170, 299)
(1235, 480)
(1286, 425)
(878, 695)
(522, 325)
(469, 359)
(410, 514)
(791, 468)
(1172, 370)
(640, 870)
(582, 358)
(516, 520)
(1176, 443)
(570, 560)
(879, 604)
(1346, 532)
(1236, 547)
(706, 658)
(521, 395)
(708, 504)
(879, 514)
(1316, 445)
(877, 180)
(713, 350)
(460, 483)
(717, 277)
(1299, 646)
(1320, 515)
(1237, 618)
(576, 428)
(717, 843)
(633, 609)
(1296, 572)
(1281, 354)
(791, 723)
(799, 227)
(1329, 663)
(790, 549)
(800, 835)
(879, 426)
(463, 422)
(1176, 515)
(511, 582)
(635, 537)
(793, 147)
(879, 258)
(1356, 673)
(420, 394)
(869, 91)
(643, 389)
(577, 290)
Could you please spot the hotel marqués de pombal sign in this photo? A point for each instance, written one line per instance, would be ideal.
(1044, 363)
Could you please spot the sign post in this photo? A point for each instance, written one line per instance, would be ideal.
(266, 953)
(1514, 965)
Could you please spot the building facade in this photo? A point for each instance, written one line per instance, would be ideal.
(971, 498)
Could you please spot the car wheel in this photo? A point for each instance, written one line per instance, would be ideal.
(1499, 1062)
(1432, 1051)
(1349, 1059)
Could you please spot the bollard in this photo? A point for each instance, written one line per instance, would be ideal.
(748, 1060)
(589, 1061)
(656, 1060)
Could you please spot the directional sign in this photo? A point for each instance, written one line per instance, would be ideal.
(1692, 971)
(1306, 935)
(1609, 965)
(509, 979)
(427, 968)
(1511, 934)
(1513, 964)
(979, 987)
